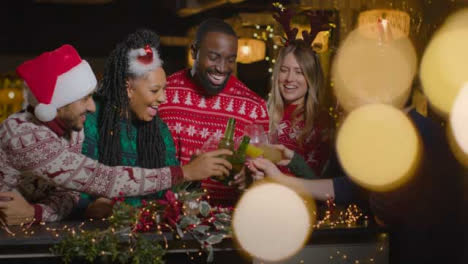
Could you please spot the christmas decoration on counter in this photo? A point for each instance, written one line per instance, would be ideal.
(129, 235)
(181, 212)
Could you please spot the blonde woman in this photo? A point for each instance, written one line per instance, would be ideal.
(294, 109)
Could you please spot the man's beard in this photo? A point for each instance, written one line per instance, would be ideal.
(76, 127)
(73, 124)
(209, 88)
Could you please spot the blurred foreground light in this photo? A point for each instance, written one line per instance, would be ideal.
(458, 127)
(272, 222)
(398, 20)
(445, 62)
(456, 20)
(374, 66)
(378, 147)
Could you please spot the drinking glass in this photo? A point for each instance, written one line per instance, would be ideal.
(262, 140)
(257, 134)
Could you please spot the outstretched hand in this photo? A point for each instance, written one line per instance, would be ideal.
(286, 154)
(261, 167)
(207, 165)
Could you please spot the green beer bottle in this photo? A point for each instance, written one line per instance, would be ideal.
(238, 159)
(227, 142)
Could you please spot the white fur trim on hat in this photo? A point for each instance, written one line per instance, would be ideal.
(45, 112)
(74, 85)
(137, 68)
(71, 86)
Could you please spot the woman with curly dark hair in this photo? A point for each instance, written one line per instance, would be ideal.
(126, 128)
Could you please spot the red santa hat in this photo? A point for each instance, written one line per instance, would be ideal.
(57, 78)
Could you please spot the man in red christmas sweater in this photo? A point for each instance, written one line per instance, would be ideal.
(202, 99)
(40, 148)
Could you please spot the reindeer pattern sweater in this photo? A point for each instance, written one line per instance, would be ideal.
(36, 157)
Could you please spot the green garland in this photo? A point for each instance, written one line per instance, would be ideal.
(184, 213)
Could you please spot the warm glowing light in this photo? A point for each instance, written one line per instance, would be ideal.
(444, 63)
(272, 222)
(250, 50)
(457, 20)
(380, 23)
(245, 50)
(378, 147)
(458, 127)
(370, 70)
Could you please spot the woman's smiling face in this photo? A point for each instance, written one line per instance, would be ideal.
(146, 93)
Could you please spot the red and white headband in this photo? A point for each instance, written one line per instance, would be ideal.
(143, 60)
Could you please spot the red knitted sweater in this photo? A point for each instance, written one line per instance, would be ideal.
(317, 146)
(194, 117)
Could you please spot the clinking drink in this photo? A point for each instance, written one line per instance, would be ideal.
(227, 142)
(238, 159)
(264, 150)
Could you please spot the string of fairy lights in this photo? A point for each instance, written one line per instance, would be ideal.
(351, 217)
(333, 218)
(266, 34)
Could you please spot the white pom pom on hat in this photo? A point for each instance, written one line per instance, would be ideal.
(45, 112)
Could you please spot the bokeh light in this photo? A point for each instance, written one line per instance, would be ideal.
(378, 147)
(456, 20)
(272, 222)
(458, 126)
(374, 66)
(444, 63)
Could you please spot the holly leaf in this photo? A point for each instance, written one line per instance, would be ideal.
(189, 220)
(201, 229)
(219, 225)
(223, 217)
(214, 239)
(205, 208)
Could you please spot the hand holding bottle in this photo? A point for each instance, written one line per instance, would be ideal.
(207, 165)
(238, 161)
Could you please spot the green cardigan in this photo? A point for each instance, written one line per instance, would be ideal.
(128, 136)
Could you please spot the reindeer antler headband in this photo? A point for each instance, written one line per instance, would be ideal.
(318, 22)
(284, 16)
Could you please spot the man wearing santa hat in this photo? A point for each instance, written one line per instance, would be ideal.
(40, 148)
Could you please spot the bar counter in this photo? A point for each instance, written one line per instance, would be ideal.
(361, 244)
